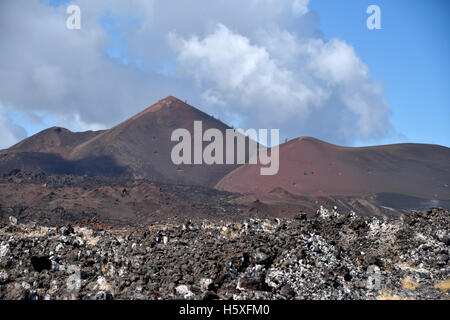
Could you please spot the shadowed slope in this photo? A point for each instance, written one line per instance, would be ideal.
(143, 144)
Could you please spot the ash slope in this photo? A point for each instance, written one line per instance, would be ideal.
(311, 167)
(330, 256)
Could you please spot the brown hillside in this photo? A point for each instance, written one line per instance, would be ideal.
(312, 167)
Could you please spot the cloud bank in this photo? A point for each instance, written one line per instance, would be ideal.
(265, 65)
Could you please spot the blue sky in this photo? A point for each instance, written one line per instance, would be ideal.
(408, 58)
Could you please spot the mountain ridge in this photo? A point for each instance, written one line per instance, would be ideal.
(312, 167)
(140, 147)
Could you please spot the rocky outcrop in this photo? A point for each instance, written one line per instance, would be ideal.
(330, 256)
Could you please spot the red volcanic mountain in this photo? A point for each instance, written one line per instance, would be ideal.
(139, 147)
(311, 167)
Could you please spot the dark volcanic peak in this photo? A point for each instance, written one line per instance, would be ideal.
(53, 140)
(143, 144)
(139, 147)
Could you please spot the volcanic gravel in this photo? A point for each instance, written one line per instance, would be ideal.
(329, 256)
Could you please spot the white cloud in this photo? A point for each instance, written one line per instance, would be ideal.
(293, 91)
(7, 137)
(300, 7)
(10, 133)
(335, 61)
(88, 126)
(66, 73)
(212, 98)
(263, 65)
(238, 71)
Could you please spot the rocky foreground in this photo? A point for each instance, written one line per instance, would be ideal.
(330, 256)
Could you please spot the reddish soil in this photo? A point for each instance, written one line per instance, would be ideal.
(311, 167)
(100, 202)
